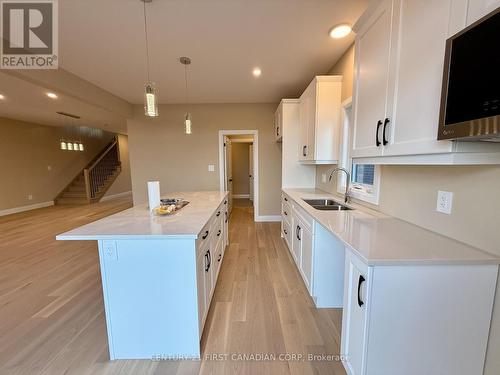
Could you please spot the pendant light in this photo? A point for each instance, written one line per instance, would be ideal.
(150, 100)
(187, 118)
(63, 144)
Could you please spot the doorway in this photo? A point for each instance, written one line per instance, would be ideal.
(238, 174)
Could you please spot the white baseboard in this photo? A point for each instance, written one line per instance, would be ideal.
(268, 218)
(30, 207)
(241, 196)
(119, 195)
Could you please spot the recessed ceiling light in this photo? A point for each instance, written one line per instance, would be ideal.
(340, 31)
(257, 72)
(2, 97)
(52, 95)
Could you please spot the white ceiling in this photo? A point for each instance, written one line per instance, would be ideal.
(102, 41)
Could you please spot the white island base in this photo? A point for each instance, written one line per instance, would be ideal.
(158, 275)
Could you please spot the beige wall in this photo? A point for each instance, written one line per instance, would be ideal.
(345, 68)
(26, 153)
(123, 182)
(410, 193)
(241, 168)
(159, 150)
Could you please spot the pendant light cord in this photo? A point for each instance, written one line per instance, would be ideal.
(147, 40)
(186, 81)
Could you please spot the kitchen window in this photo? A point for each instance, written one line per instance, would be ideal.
(365, 178)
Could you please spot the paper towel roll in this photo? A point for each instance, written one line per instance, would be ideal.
(153, 194)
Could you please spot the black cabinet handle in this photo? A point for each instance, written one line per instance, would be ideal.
(218, 214)
(207, 262)
(250, 176)
(278, 131)
(361, 280)
(209, 259)
(225, 213)
(377, 142)
(206, 235)
(286, 199)
(225, 202)
(285, 213)
(219, 258)
(298, 232)
(384, 140)
(230, 180)
(219, 232)
(304, 153)
(284, 231)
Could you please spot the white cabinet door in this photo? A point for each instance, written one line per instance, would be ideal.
(278, 123)
(354, 322)
(480, 8)
(306, 259)
(297, 243)
(423, 30)
(310, 94)
(373, 52)
(304, 108)
(200, 283)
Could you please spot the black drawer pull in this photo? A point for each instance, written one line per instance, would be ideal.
(219, 258)
(226, 216)
(304, 153)
(377, 142)
(207, 261)
(298, 232)
(285, 213)
(284, 231)
(384, 139)
(361, 280)
(219, 232)
(206, 235)
(225, 202)
(286, 199)
(218, 214)
(278, 131)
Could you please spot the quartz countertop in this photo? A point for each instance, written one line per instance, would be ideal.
(384, 240)
(138, 223)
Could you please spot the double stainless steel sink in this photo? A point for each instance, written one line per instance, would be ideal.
(326, 205)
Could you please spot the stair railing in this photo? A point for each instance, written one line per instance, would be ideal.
(97, 174)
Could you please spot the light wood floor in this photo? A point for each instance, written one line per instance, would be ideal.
(51, 309)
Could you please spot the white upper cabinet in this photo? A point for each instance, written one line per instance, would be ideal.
(373, 47)
(319, 121)
(400, 49)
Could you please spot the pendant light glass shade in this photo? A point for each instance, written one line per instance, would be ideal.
(75, 146)
(70, 146)
(187, 124)
(150, 101)
(63, 145)
(81, 147)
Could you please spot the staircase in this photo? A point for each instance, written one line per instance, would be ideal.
(94, 180)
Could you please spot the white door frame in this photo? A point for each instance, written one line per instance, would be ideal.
(256, 192)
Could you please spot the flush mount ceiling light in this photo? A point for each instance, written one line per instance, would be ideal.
(52, 95)
(187, 118)
(340, 31)
(257, 72)
(150, 99)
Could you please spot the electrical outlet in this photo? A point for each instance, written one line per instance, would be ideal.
(444, 202)
(30, 197)
(109, 249)
(211, 168)
(323, 178)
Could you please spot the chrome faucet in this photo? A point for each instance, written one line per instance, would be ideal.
(347, 196)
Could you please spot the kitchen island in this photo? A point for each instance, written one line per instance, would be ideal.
(158, 274)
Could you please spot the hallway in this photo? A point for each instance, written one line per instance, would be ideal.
(51, 309)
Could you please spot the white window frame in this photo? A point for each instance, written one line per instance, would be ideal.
(366, 193)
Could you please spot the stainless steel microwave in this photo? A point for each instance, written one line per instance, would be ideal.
(470, 97)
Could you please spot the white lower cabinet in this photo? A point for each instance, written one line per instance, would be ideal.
(356, 302)
(306, 258)
(416, 319)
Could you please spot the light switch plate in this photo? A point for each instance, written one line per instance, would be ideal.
(444, 202)
(211, 168)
